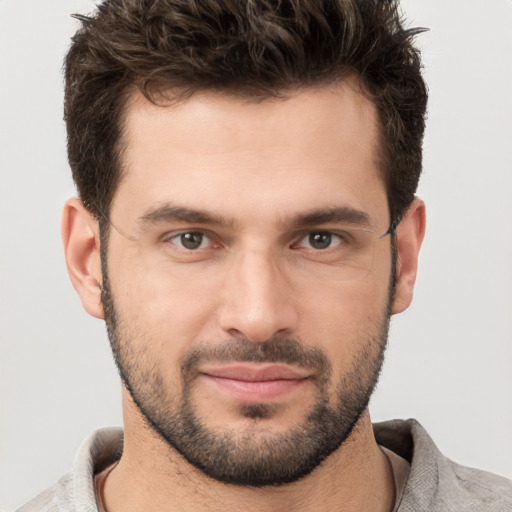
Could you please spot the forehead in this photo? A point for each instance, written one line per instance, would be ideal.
(316, 145)
(232, 122)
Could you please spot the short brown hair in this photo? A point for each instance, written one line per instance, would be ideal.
(257, 48)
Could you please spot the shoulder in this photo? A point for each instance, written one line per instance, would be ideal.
(75, 491)
(53, 499)
(437, 483)
(483, 490)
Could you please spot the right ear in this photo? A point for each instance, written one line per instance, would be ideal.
(80, 236)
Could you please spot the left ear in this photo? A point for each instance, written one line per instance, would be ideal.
(410, 235)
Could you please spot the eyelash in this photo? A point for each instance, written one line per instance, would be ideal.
(307, 236)
(176, 236)
(298, 243)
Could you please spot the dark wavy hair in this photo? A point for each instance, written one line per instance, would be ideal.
(255, 48)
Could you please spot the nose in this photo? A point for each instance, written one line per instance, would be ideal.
(257, 298)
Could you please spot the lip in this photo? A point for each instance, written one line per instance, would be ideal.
(256, 372)
(256, 382)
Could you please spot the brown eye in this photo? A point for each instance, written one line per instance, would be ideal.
(320, 240)
(191, 240)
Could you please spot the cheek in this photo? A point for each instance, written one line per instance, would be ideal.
(163, 307)
(344, 317)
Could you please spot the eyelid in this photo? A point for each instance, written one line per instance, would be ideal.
(300, 234)
(170, 235)
(294, 237)
(172, 232)
(303, 240)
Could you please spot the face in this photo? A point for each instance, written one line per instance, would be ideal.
(245, 287)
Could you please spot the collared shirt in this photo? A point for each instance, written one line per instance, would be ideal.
(435, 483)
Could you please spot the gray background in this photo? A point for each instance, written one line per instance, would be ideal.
(449, 363)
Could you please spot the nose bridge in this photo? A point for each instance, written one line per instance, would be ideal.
(257, 298)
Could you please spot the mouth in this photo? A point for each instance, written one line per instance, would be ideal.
(256, 383)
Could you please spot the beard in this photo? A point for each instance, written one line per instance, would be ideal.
(254, 455)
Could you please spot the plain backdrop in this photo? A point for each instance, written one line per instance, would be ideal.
(449, 362)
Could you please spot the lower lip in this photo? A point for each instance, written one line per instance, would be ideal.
(259, 391)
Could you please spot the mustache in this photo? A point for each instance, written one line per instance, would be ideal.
(286, 350)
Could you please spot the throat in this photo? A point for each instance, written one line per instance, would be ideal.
(151, 476)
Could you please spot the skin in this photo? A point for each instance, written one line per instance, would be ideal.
(259, 165)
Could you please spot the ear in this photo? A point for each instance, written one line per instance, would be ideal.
(80, 236)
(410, 235)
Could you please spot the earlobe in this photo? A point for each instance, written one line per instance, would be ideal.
(80, 236)
(410, 235)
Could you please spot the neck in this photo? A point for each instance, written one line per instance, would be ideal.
(151, 476)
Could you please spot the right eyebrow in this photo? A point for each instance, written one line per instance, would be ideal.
(169, 212)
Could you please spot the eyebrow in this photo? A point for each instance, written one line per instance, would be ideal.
(169, 213)
(343, 214)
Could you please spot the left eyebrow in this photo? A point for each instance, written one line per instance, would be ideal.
(343, 214)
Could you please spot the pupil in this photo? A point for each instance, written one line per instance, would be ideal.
(191, 240)
(320, 240)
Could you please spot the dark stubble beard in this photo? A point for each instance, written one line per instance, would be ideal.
(252, 457)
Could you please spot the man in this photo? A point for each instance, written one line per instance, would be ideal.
(246, 226)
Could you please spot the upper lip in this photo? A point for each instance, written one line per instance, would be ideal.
(256, 372)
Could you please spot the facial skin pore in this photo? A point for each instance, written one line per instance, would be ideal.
(225, 319)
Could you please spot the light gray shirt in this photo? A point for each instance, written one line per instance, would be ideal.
(435, 483)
